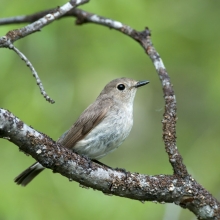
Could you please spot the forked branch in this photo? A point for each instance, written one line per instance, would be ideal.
(179, 188)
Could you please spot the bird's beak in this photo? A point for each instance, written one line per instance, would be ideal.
(141, 83)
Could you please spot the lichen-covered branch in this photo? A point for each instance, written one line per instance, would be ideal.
(186, 192)
(179, 188)
(143, 38)
(169, 120)
(13, 35)
(37, 25)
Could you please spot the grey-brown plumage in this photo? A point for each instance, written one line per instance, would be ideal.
(101, 128)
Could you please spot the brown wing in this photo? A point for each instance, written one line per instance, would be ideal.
(89, 119)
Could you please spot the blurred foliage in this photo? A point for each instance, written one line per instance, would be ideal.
(74, 63)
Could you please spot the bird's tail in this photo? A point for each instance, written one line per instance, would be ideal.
(29, 174)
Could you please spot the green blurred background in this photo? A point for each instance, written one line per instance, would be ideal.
(74, 63)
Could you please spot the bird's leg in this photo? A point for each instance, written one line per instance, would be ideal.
(102, 164)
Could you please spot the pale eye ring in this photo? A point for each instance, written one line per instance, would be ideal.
(121, 87)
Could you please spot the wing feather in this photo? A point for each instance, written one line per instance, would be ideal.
(89, 119)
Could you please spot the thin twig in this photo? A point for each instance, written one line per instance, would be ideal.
(13, 35)
(34, 72)
(17, 34)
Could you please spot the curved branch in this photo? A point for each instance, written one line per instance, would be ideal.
(143, 38)
(169, 120)
(13, 35)
(179, 188)
(37, 25)
(186, 193)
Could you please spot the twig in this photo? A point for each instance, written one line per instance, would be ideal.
(17, 34)
(25, 18)
(34, 72)
(13, 35)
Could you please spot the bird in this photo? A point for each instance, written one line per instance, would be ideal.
(101, 128)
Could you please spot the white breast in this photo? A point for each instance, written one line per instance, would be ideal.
(107, 135)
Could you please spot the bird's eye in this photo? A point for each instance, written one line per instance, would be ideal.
(121, 87)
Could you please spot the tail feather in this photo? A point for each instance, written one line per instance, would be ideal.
(29, 174)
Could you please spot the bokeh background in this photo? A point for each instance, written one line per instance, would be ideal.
(74, 63)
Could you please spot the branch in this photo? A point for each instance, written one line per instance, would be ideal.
(143, 38)
(179, 188)
(186, 193)
(14, 35)
(17, 34)
(170, 118)
(34, 72)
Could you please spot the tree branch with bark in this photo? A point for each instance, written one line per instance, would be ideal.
(180, 188)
